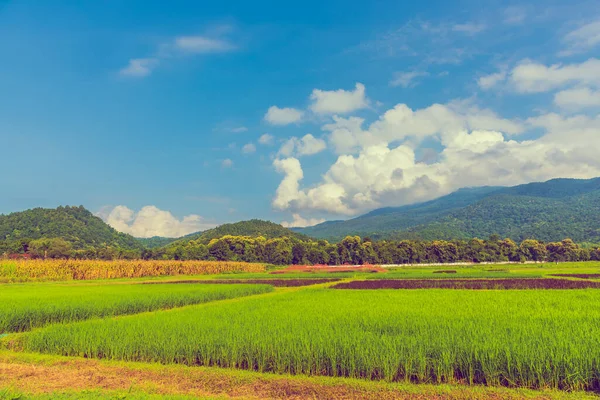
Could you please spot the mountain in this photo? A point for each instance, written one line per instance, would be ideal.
(156, 241)
(253, 228)
(546, 211)
(76, 225)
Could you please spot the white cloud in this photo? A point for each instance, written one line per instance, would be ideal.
(139, 67)
(299, 222)
(582, 39)
(406, 79)
(489, 81)
(531, 77)
(266, 139)
(402, 123)
(178, 47)
(238, 129)
(470, 28)
(577, 98)
(202, 44)
(283, 116)
(475, 150)
(227, 163)
(249, 148)
(151, 221)
(338, 101)
(305, 146)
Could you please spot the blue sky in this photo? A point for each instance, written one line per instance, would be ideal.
(165, 119)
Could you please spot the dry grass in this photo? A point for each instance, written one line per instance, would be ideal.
(47, 374)
(62, 270)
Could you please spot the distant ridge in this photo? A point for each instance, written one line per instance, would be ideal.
(546, 211)
(75, 225)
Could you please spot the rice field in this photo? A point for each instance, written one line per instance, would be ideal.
(26, 306)
(64, 270)
(534, 339)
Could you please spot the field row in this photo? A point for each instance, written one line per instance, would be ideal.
(23, 307)
(526, 338)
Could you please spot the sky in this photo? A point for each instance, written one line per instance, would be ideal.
(166, 119)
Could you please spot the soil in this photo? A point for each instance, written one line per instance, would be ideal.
(475, 284)
(273, 282)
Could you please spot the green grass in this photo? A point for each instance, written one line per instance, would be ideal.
(13, 394)
(535, 339)
(26, 306)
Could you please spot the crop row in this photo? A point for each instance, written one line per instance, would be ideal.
(474, 284)
(525, 338)
(24, 270)
(23, 307)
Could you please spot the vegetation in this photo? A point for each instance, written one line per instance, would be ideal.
(123, 380)
(530, 339)
(252, 228)
(354, 250)
(60, 270)
(548, 211)
(69, 228)
(23, 307)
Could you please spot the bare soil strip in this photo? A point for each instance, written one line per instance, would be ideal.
(272, 282)
(474, 284)
(581, 276)
(329, 269)
(39, 374)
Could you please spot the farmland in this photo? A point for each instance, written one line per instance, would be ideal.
(305, 327)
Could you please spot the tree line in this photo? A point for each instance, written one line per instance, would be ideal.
(350, 250)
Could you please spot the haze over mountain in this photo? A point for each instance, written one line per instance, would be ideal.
(550, 210)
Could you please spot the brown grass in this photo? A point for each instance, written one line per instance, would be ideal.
(46, 374)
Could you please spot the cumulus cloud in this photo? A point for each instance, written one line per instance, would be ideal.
(407, 79)
(305, 146)
(582, 39)
(249, 148)
(139, 67)
(489, 81)
(283, 116)
(401, 123)
(532, 77)
(377, 166)
(150, 221)
(577, 98)
(227, 163)
(300, 222)
(338, 101)
(266, 139)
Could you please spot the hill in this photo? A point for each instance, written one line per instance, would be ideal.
(252, 228)
(546, 211)
(75, 225)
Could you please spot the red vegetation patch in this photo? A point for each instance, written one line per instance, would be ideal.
(582, 276)
(329, 269)
(272, 282)
(475, 284)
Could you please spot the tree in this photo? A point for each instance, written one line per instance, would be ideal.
(50, 248)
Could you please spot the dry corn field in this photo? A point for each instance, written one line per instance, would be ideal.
(65, 270)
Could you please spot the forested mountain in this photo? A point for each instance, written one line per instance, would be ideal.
(250, 228)
(156, 241)
(74, 225)
(546, 211)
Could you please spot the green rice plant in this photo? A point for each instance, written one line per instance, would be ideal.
(535, 339)
(26, 306)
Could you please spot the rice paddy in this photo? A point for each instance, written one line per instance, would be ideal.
(23, 307)
(524, 326)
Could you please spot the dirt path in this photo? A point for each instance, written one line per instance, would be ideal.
(36, 374)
